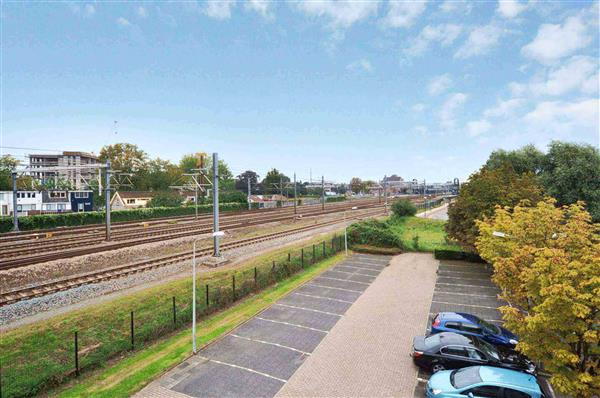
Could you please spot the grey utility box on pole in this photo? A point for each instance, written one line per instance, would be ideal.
(216, 237)
(15, 210)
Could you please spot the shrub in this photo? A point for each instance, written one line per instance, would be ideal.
(457, 255)
(404, 207)
(373, 233)
(165, 199)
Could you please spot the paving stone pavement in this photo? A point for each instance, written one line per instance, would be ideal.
(366, 354)
(260, 356)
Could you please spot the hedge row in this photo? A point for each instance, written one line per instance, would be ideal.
(44, 221)
(373, 233)
(457, 255)
(335, 199)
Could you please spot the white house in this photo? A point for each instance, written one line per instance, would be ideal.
(26, 202)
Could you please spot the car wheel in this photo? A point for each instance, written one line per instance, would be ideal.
(436, 367)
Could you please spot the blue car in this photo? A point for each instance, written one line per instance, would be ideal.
(471, 325)
(483, 382)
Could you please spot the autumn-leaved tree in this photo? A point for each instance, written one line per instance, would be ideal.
(546, 260)
(484, 190)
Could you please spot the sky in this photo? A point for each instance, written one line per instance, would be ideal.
(333, 88)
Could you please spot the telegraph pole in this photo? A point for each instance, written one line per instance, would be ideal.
(281, 186)
(107, 199)
(295, 195)
(216, 204)
(323, 192)
(249, 204)
(15, 215)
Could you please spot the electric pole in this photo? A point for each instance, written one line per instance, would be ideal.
(249, 204)
(280, 186)
(295, 195)
(107, 199)
(216, 204)
(323, 192)
(15, 211)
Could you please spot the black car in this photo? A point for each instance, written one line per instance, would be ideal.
(452, 351)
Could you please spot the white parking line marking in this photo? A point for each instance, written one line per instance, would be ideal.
(342, 280)
(341, 272)
(324, 298)
(306, 309)
(465, 305)
(468, 294)
(363, 268)
(335, 288)
(422, 380)
(463, 278)
(292, 324)
(244, 368)
(269, 343)
(458, 284)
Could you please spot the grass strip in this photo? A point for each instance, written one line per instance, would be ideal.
(421, 234)
(134, 372)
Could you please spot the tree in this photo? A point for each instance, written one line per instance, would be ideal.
(357, 185)
(571, 173)
(547, 265)
(157, 175)
(126, 158)
(190, 162)
(484, 190)
(165, 199)
(274, 176)
(404, 207)
(241, 181)
(527, 159)
(7, 165)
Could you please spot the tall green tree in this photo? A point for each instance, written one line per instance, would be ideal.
(7, 165)
(274, 176)
(527, 159)
(484, 190)
(127, 158)
(357, 185)
(241, 181)
(571, 173)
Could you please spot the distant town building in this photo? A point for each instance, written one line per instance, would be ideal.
(43, 202)
(27, 201)
(70, 167)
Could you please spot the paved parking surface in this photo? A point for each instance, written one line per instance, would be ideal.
(462, 287)
(257, 358)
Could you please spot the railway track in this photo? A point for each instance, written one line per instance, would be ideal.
(44, 289)
(23, 256)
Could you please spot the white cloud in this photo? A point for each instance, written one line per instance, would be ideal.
(454, 5)
(481, 39)
(123, 22)
(439, 84)
(219, 9)
(361, 65)
(510, 8)
(517, 89)
(444, 34)
(504, 109)
(421, 130)
(560, 116)
(478, 127)
(262, 7)
(341, 14)
(141, 12)
(553, 42)
(577, 73)
(418, 107)
(449, 108)
(402, 14)
(89, 10)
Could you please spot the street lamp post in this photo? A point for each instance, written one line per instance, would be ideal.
(346, 230)
(194, 296)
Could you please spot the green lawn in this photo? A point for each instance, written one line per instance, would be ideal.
(421, 234)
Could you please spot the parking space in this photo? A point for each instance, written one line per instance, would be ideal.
(258, 358)
(462, 287)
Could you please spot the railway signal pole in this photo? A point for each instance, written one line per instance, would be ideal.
(216, 204)
(295, 196)
(249, 204)
(323, 192)
(107, 199)
(15, 212)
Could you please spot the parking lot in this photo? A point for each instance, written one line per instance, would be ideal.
(258, 357)
(462, 287)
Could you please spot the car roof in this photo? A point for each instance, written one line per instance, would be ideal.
(507, 377)
(449, 338)
(459, 317)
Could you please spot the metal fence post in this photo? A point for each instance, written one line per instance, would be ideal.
(324, 249)
(314, 254)
(233, 285)
(255, 277)
(289, 257)
(302, 258)
(76, 355)
(132, 333)
(207, 297)
(174, 312)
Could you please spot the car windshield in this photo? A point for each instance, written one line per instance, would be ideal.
(487, 348)
(489, 327)
(465, 377)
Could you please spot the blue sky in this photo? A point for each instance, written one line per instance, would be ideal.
(361, 88)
